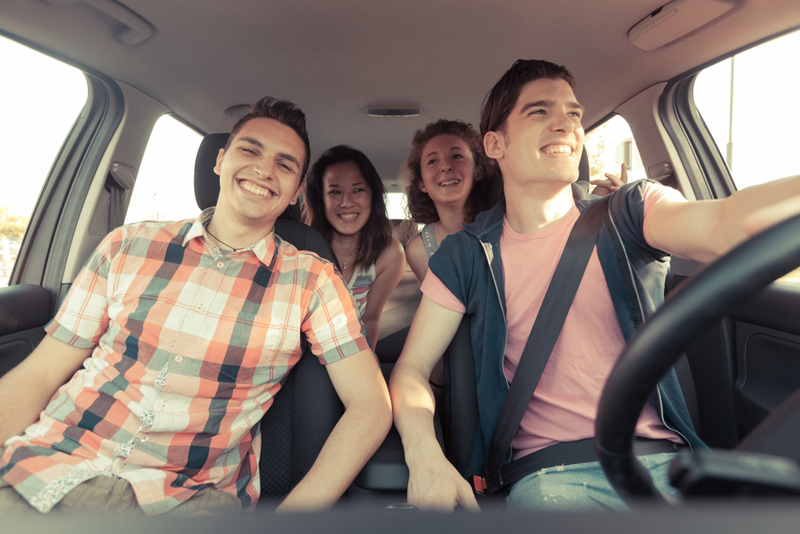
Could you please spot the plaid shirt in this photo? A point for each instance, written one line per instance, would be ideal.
(190, 348)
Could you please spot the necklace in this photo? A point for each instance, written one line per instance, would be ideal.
(221, 241)
(344, 265)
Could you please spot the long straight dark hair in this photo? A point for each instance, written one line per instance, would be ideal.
(376, 234)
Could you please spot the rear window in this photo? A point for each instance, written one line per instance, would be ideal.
(164, 189)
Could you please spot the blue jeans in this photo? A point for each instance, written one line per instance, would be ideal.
(581, 487)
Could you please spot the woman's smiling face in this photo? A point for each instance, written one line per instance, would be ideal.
(447, 169)
(348, 198)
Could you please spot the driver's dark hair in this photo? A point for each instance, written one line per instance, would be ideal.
(376, 234)
(284, 112)
(504, 95)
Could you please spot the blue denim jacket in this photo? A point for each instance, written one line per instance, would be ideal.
(469, 264)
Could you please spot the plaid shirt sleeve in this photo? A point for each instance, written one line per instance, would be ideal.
(83, 317)
(332, 324)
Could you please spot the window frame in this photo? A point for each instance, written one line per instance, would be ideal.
(44, 247)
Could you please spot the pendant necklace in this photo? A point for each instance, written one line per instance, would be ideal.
(344, 265)
(221, 241)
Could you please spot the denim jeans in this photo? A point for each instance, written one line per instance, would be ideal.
(581, 487)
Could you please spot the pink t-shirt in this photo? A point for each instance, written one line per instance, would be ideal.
(564, 405)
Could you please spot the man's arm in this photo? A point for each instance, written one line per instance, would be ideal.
(433, 481)
(26, 389)
(707, 229)
(358, 434)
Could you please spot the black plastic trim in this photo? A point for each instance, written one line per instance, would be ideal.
(715, 169)
(23, 307)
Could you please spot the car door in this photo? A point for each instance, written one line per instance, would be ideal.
(55, 141)
(735, 126)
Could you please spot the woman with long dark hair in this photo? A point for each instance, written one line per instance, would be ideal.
(344, 201)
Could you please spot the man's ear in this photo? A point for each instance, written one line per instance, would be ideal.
(218, 166)
(296, 194)
(494, 144)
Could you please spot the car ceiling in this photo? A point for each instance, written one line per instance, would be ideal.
(336, 58)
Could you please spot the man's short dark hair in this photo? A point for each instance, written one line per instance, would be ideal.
(282, 111)
(504, 95)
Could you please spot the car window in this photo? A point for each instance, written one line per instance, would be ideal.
(164, 189)
(611, 144)
(36, 118)
(396, 205)
(749, 104)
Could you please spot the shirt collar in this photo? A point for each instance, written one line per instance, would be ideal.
(264, 249)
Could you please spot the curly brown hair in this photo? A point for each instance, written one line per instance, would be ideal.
(421, 208)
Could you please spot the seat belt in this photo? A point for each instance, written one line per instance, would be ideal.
(544, 334)
(120, 179)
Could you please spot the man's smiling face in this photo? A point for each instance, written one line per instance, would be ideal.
(259, 173)
(543, 137)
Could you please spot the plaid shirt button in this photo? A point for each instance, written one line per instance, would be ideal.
(144, 438)
(178, 358)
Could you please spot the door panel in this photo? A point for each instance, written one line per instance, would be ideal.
(768, 369)
(24, 311)
(747, 364)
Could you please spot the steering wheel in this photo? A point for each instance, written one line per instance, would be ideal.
(694, 307)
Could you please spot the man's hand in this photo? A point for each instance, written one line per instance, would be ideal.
(611, 183)
(434, 483)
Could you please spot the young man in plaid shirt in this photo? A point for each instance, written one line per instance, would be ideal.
(171, 345)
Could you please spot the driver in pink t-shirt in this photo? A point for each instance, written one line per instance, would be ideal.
(497, 271)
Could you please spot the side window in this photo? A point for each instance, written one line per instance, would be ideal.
(609, 146)
(749, 104)
(40, 99)
(164, 189)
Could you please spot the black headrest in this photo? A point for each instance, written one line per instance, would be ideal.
(206, 181)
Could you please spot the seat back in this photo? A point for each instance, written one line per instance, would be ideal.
(307, 407)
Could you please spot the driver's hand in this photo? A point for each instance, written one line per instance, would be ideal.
(611, 183)
(434, 483)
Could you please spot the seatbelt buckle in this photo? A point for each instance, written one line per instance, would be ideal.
(479, 484)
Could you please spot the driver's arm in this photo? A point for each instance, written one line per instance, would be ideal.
(706, 229)
(433, 481)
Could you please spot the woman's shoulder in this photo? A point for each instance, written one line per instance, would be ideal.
(414, 244)
(392, 253)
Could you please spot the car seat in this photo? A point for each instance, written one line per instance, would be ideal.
(307, 407)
